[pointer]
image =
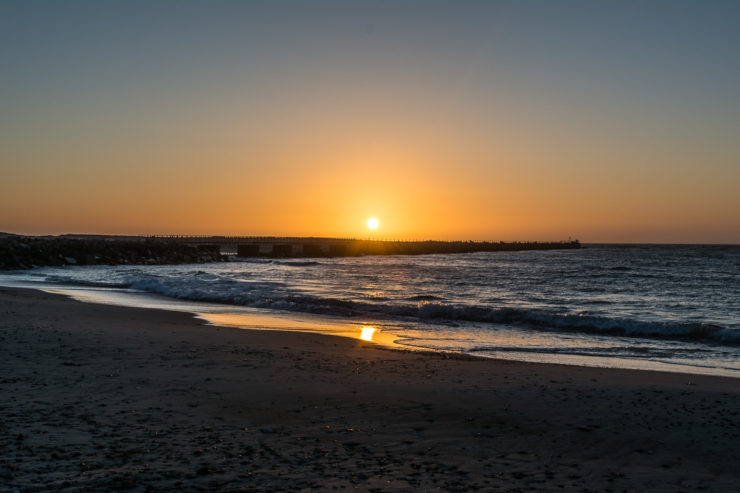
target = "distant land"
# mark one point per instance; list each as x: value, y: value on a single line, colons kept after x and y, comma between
x: 25, y: 252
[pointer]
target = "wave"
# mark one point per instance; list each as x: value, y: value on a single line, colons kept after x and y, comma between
x: 260, y: 295
x: 85, y: 283
x: 274, y: 295
x: 287, y: 263
x: 297, y: 263
x: 423, y: 297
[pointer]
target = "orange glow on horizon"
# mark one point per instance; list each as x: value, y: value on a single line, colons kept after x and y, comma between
x: 434, y: 184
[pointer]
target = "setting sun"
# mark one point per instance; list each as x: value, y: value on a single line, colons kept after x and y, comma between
x: 372, y: 223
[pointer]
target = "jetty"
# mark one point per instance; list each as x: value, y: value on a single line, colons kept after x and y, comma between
x: 270, y: 246
x: 25, y: 252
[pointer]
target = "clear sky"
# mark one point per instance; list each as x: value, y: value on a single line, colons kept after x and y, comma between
x: 497, y: 120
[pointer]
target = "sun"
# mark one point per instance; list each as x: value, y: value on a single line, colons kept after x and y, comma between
x: 373, y: 223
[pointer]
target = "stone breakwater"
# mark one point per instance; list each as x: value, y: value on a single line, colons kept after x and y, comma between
x: 19, y: 252
x: 25, y: 252
x: 430, y: 247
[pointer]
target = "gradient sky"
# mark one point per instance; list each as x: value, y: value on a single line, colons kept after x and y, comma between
x: 496, y: 120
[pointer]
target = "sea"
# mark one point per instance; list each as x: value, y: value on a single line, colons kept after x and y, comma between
x: 652, y: 307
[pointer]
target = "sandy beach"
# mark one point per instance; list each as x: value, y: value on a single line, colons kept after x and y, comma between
x: 97, y: 397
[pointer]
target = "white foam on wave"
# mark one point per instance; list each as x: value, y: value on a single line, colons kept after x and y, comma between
x: 205, y: 286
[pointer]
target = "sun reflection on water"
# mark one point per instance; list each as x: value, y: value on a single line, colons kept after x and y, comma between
x: 367, y: 333
x: 267, y: 321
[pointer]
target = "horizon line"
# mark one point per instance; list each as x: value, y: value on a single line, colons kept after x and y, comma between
x: 626, y: 243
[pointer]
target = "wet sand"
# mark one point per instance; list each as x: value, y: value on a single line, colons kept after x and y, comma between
x: 97, y: 397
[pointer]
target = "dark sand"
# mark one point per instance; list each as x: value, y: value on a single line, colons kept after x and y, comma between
x: 96, y: 397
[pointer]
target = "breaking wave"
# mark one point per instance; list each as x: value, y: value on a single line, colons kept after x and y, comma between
x: 202, y: 286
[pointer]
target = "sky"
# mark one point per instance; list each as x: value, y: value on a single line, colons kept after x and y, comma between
x: 607, y: 121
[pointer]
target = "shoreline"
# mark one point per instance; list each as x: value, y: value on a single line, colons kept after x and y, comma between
x: 101, y: 396
x: 384, y: 332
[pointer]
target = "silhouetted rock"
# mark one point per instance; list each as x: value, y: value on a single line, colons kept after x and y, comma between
x: 19, y: 252
x: 23, y: 252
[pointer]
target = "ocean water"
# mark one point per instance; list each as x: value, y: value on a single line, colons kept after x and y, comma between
x: 667, y: 307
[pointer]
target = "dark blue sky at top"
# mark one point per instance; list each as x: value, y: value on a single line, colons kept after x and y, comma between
x: 636, y: 47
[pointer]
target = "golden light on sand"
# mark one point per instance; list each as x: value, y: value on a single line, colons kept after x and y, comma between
x: 373, y: 223
x: 367, y: 333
